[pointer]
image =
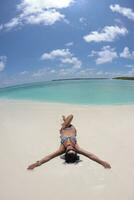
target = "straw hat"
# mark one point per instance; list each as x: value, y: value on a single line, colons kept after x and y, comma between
x: 67, y: 120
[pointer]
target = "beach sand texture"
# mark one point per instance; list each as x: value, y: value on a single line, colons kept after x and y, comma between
x: 30, y: 130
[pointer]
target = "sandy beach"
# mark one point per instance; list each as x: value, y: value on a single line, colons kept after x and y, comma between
x: 30, y: 130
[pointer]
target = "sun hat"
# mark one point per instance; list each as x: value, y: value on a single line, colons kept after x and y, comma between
x: 67, y: 120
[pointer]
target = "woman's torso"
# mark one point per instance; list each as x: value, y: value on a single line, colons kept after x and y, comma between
x: 68, y: 136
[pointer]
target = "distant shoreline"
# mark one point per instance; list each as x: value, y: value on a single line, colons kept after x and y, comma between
x: 42, y: 82
x: 71, y: 79
x: 124, y: 78
x: 68, y: 79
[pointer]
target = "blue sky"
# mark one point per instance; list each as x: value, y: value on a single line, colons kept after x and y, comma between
x: 47, y: 39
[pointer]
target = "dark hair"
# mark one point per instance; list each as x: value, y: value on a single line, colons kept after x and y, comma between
x: 71, y: 157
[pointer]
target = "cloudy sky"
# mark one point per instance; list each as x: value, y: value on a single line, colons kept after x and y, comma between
x: 48, y: 39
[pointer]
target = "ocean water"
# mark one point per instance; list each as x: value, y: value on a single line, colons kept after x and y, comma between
x: 86, y: 92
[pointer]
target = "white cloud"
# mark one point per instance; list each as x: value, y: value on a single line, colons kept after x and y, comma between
x: 108, y: 34
x: 127, y: 54
x: 41, y: 73
x: 31, y: 6
x: 53, y: 71
x: 23, y: 72
x: 83, y: 21
x: 117, y: 20
x: 99, y: 73
x: 64, y: 56
x: 129, y: 66
x: 44, y: 12
x: 112, y: 74
x: 12, y: 23
x: 37, y: 74
x: 67, y: 72
x: 127, y: 12
x: 46, y: 18
x: 131, y: 72
x: 86, y: 72
x: 72, y: 60
x: 69, y: 44
x: 107, y: 54
x: 107, y: 74
x: 56, y: 54
x: 3, y: 60
x: 63, y: 72
x: 1, y: 27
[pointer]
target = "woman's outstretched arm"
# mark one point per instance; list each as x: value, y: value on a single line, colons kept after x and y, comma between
x: 92, y: 157
x: 60, y: 151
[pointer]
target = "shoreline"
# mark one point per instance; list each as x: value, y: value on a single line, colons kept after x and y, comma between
x: 27, y: 101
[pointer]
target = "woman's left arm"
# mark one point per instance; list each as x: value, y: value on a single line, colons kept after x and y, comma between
x: 60, y: 151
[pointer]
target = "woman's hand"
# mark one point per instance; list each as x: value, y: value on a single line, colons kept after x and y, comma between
x: 106, y: 165
x: 31, y: 167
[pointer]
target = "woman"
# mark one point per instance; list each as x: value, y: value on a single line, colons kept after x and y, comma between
x: 69, y: 146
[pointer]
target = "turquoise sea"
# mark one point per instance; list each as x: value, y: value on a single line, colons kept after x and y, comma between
x: 86, y: 92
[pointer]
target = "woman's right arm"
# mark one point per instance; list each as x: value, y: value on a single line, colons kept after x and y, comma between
x: 92, y: 157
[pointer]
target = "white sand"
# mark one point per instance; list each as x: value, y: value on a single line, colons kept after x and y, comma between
x: 29, y: 130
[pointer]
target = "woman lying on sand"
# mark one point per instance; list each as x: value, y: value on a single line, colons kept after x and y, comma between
x: 69, y: 146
